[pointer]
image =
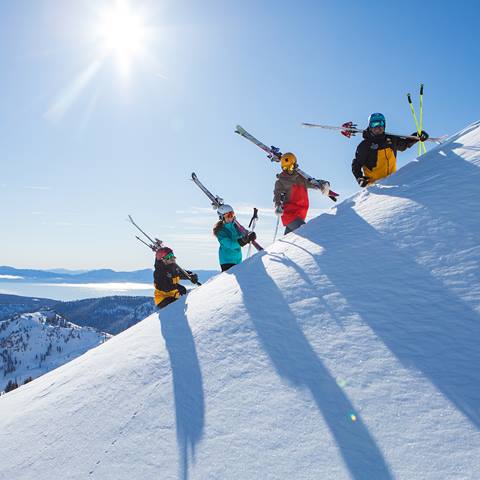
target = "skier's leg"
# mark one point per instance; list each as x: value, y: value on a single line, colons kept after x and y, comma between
x: 226, y: 266
x: 298, y: 222
x: 165, y: 302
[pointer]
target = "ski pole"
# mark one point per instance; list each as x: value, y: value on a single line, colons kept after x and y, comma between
x: 253, y: 222
x: 421, y: 118
x: 276, y: 229
x: 282, y: 198
x: 417, y: 124
x: 409, y: 98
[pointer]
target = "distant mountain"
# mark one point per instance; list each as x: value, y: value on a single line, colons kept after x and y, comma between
x: 32, y: 344
x: 111, y: 314
x: 91, y: 276
x: 108, y: 314
x: 16, y: 304
x: 100, y: 276
x: 40, y: 334
x: 62, y: 271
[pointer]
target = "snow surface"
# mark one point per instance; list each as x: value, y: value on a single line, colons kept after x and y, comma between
x: 348, y: 350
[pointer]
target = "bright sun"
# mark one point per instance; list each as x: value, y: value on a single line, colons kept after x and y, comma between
x: 122, y: 34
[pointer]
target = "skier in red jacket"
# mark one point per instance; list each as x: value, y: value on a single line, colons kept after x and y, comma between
x: 290, y: 194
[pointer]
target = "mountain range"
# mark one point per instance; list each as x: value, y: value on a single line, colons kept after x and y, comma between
x: 91, y: 276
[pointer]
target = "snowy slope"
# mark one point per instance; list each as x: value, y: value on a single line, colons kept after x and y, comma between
x: 348, y: 350
x: 32, y: 344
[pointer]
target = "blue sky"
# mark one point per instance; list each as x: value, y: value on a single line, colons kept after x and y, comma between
x: 82, y: 146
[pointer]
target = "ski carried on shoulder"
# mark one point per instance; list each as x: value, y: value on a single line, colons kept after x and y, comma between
x: 274, y: 154
x: 154, y: 245
x: 350, y: 129
x: 217, y: 202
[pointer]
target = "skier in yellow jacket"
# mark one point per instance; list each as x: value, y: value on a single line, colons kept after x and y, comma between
x: 376, y: 155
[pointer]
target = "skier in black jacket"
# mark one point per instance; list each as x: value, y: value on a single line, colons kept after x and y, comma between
x: 376, y: 155
x: 167, y: 276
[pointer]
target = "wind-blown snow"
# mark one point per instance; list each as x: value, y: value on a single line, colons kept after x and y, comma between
x: 348, y: 350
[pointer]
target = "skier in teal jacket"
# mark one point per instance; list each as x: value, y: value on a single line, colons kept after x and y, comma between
x: 230, y: 238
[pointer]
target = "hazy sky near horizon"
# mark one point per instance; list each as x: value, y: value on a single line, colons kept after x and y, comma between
x: 108, y: 107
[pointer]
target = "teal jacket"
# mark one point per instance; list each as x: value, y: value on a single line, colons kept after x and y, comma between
x: 230, y: 250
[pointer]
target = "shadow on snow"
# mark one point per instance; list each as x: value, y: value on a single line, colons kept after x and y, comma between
x: 187, y: 382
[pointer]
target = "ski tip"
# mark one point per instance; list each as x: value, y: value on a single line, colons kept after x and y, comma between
x: 194, y: 175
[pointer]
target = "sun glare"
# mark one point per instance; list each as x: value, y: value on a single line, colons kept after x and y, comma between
x: 122, y: 34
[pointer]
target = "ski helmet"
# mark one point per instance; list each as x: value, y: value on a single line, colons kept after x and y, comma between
x: 288, y: 161
x: 163, y: 252
x: 376, y: 120
x: 223, y: 210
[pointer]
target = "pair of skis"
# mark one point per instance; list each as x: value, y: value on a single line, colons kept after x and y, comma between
x: 155, y: 244
x: 217, y: 202
x: 274, y: 155
x: 350, y: 129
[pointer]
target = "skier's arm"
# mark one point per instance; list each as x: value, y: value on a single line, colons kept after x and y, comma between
x: 317, y: 184
x: 187, y: 275
x: 359, y: 161
x: 181, y: 274
x: 279, y: 193
x: 403, y: 143
x: 227, y: 241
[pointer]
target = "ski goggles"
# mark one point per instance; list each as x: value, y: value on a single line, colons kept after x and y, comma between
x: 169, y: 256
x: 377, y: 123
x: 229, y: 215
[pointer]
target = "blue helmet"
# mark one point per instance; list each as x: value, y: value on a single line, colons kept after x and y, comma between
x: 376, y: 120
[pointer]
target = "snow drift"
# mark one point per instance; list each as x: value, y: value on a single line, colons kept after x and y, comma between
x: 349, y: 349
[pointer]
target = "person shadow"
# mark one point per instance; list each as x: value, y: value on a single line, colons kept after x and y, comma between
x: 415, y: 315
x: 187, y: 382
x: 295, y: 360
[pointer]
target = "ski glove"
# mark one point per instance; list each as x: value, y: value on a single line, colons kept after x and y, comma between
x: 247, y: 238
x: 181, y: 289
x: 363, y: 181
x: 193, y: 277
x: 242, y: 241
x: 423, y: 135
x: 251, y: 237
x: 324, y: 186
x: 278, y: 209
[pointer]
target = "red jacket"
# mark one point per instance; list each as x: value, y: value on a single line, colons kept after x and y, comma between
x: 295, y: 200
